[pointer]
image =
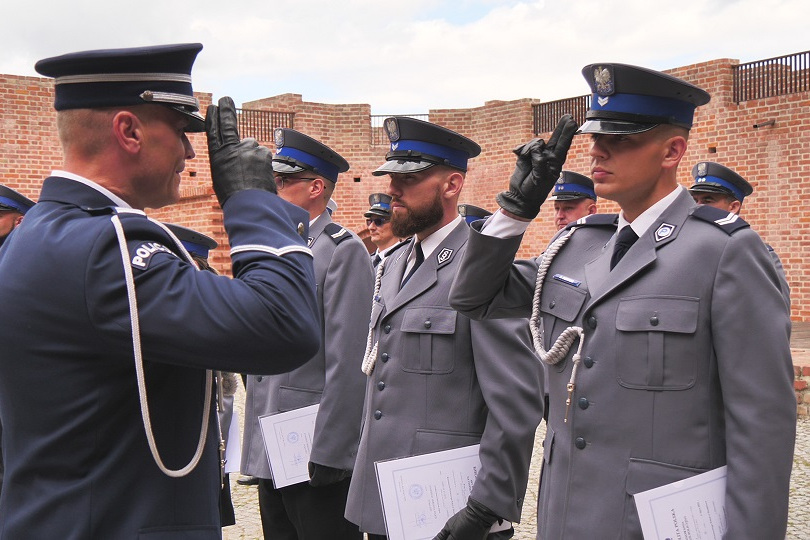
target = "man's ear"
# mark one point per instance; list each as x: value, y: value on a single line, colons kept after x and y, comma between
x: 674, y: 150
x: 453, y: 184
x: 128, y: 131
x: 735, y: 206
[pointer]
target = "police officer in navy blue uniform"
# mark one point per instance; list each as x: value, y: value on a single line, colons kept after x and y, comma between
x: 307, y: 174
x: 718, y: 186
x: 116, y: 329
x: 13, y: 206
x: 664, y: 327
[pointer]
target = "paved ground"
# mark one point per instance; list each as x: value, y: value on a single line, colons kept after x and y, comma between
x: 248, y: 525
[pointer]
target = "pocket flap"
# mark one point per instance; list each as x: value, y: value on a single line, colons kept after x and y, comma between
x: 643, y: 474
x: 658, y: 314
x: 295, y: 398
x: 429, y: 320
x: 562, y: 300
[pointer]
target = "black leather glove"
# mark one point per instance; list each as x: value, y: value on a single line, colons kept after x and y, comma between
x: 321, y: 475
x: 538, y: 167
x: 470, y: 523
x: 235, y: 165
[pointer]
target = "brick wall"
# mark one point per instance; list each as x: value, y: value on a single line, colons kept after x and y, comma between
x: 773, y: 159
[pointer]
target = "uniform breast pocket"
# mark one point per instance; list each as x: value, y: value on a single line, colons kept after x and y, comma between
x: 428, y: 340
x: 560, y: 305
x: 653, y: 342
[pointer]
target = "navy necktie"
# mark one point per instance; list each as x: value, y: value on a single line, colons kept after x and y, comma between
x: 625, y: 239
x: 420, y: 257
x: 376, y: 260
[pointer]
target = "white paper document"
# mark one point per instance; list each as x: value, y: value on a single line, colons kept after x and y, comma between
x: 690, y: 509
x: 419, y: 493
x: 288, y: 441
x: 233, y: 450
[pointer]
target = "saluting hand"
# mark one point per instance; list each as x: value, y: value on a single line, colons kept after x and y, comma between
x: 538, y: 167
x: 235, y: 165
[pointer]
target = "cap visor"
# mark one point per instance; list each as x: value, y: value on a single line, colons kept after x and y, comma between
x: 373, y: 213
x: 710, y: 188
x: 612, y: 127
x: 402, y: 167
x: 196, y: 122
x: 568, y: 197
x: 282, y: 167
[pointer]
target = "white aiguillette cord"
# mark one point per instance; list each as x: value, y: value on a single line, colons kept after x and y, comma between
x: 564, y: 341
x: 136, y: 346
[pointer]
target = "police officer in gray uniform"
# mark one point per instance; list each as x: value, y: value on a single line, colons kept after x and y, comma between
x: 436, y: 380
x: 307, y: 173
x: 667, y: 342
x: 719, y: 186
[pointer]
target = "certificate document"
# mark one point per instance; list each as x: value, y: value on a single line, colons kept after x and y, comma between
x: 288, y: 441
x: 420, y: 493
x: 693, y: 508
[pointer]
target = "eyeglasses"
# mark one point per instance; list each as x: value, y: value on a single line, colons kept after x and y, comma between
x: 379, y: 222
x: 281, y: 180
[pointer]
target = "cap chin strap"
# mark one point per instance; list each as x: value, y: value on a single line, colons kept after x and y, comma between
x: 136, y: 346
x: 563, y: 343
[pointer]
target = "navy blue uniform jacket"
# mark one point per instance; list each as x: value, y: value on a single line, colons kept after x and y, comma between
x: 77, y: 460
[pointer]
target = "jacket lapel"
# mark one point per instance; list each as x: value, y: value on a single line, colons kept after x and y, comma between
x: 602, y: 281
x: 317, y: 227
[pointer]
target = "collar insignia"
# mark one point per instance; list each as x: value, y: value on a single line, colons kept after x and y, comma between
x: 664, y: 231
x: 444, y: 255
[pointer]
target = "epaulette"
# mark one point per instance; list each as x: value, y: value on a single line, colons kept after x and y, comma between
x: 398, y: 245
x: 337, y: 233
x: 725, y: 220
x: 595, y: 220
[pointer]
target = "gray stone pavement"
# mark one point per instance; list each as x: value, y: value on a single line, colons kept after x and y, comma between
x: 248, y: 523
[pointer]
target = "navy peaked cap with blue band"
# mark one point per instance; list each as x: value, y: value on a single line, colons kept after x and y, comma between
x: 631, y: 99
x: 572, y: 186
x: 380, y: 205
x: 472, y: 213
x: 195, y: 242
x: 159, y: 75
x: 711, y: 177
x: 417, y: 145
x: 296, y: 152
x: 12, y: 200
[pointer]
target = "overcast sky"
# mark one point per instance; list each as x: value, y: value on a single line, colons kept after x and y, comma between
x: 406, y: 57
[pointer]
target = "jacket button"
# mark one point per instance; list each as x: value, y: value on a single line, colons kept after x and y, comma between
x: 377, y: 415
x: 654, y: 321
x: 552, y: 304
x: 259, y: 378
x: 381, y: 385
x: 583, y: 403
x: 384, y: 357
x: 591, y: 322
x: 579, y: 442
x: 588, y: 361
x: 387, y: 329
x: 428, y: 324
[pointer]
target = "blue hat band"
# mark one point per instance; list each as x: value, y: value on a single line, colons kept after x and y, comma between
x: 321, y: 166
x: 13, y: 204
x: 195, y: 249
x: 739, y: 195
x: 574, y: 188
x: 455, y: 158
x: 681, y: 112
x: 382, y: 206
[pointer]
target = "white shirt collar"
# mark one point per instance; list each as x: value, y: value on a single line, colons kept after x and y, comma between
x: 433, y: 241
x: 89, y: 183
x: 651, y: 214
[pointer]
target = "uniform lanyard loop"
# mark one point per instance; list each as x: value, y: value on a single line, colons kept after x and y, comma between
x: 136, y: 346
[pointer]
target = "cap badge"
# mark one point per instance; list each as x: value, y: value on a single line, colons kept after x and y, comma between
x: 444, y: 255
x: 664, y: 231
x: 278, y: 137
x: 392, y: 129
x: 603, y: 77
x: 702, y: 168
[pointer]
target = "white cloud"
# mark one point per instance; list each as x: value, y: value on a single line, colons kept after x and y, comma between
x: 409, y: 57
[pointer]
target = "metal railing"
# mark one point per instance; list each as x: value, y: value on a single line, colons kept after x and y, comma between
x: 260, y: 124
x: 777, y: 76
x: 378, y: 137
x: 546, y: 115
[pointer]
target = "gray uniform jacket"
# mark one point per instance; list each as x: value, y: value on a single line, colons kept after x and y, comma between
x: 685, y: 367
x: 332, y: 377
x: 442, y: 381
